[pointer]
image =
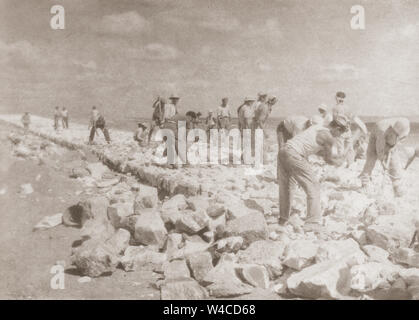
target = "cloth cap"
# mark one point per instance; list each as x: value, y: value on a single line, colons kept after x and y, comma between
x: 174, y: 96
x: 341, y: 94
x: 249, y: 99
x: 402, y: 128
x: 322, y: 107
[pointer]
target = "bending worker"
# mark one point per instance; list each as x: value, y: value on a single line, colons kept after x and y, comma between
x: 293, y: 166
x: 384, y: 146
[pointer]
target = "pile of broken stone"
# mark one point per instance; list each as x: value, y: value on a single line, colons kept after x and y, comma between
x: 224, y: 241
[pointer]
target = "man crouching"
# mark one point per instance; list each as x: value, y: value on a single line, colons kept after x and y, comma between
x: 293, y: 166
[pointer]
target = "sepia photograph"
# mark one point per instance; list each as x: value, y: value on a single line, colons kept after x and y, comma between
x: 212, y: 150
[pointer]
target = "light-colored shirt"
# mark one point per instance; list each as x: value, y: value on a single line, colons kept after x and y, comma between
x: 342, y: 110
x: 248, y: 111
x: 64, y: 113
x: 223, y: 111
x: 262, y: 112
x: 379, y: 130
x: 169, y: 111
x: 94, y: 115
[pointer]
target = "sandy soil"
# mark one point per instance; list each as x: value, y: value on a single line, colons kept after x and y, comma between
x: 26, y: 257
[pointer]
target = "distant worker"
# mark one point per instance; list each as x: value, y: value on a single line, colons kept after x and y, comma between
x: 140, y: 134
x: 383, y: 145
x: 64, y: 115
x: 190, y: 120
x: 26, y: 121
x: 211, y: 121
x: 223, y: 115
x: 97, y: 121
x: 263, y: 111
x: 294, y: 167
x: 170, y: 122
x: 246, y: 113
x: 57, y: 118
x: 157, y: 117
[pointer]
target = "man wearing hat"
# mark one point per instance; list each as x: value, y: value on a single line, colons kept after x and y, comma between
x: 263, y: 111
x: 223, y: 114
x: 246, y: 113
x: 293, y: 166
x: 384, y: 145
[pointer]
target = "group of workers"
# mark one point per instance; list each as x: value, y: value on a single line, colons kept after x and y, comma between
x: 60, y: 116
x: 333, y: 137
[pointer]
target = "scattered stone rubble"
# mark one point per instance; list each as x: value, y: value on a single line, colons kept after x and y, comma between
x: 224, y: 241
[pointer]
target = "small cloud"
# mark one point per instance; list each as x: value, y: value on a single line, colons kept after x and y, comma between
x: 270, y: 29
x: 123, y: 23
x: 159, y: 51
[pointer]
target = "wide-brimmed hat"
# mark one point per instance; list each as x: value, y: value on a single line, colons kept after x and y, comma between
x: 174, y: 96
x: 262, y: 94
x: 322, y: 107
x: 142, y: 125
x: 341, y: 121
x: 402, y: 127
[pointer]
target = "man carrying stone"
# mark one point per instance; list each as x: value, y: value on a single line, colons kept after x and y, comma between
x: 384, y: 145
x: 294, y: 167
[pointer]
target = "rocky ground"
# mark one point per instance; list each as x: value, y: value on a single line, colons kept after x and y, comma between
x: 198, y: 232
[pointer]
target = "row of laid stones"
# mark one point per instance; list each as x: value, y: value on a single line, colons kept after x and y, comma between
x: 116, y: 159
x: 206, y: 247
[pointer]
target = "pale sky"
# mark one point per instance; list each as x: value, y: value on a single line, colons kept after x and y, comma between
x: 120, y: 54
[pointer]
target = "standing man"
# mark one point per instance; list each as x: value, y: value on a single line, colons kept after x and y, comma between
x: 384, y: 146
x: 170, y: 118
x: 263, y: 111
x: 293, y: 166
x: 64, y: 115
x: 157, y: 117
x: 223, y: 115
x: 350, y: 137
x: 26, y: 121
x: 97, y: 121
x: 57, y: 118
x: 246, y: 114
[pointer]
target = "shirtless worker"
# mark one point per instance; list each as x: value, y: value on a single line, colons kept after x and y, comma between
x: 384, y: 145
x: 293, y: 166
x: 263, y: 111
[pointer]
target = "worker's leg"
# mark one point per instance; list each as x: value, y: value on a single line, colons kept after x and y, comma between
x: 306, y: 178
x: 395, y: 171
x: 106, y: 134
x: 285, y: 188
x: 92, y: 134
x: 370, y: 162
x: 280, y: 134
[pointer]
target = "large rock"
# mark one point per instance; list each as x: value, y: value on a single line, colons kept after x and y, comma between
x: 192, y: 222
x: 189, y: 248
x: 176, y: 269
x: 198, y: 203
x: 300, y: 254
x: 183, y: 289
x: 329, y: 279
x: 266, y: 253
x: 177, y: 202
x: 251, y: 227
x: 389, y: 232
x: 230, y: 244
x: 94, y: 258
x: 222, y: 281
x: 372, y: 275
x: 215, y: 210
x: 139, y: 257
x: 255, y: 275
x: 150, y: 229
x: 99, y: 206
x: 376, y: 254
x: 340, y: 249
x: 173, y: 244
x: 407, y: 256
x: 119, y: 241
x: 97, y: 169
x: 118, y: 211
x: 97, y: 229
x: 147, y: 197
x: 200, y: 264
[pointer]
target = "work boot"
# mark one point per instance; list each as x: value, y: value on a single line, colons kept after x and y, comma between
x: 282, y: 221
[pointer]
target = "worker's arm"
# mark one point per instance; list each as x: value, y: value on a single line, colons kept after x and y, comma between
x: 334, y: 150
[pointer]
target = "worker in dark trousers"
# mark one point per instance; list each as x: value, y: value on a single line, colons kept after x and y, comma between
x: 98, y: 122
